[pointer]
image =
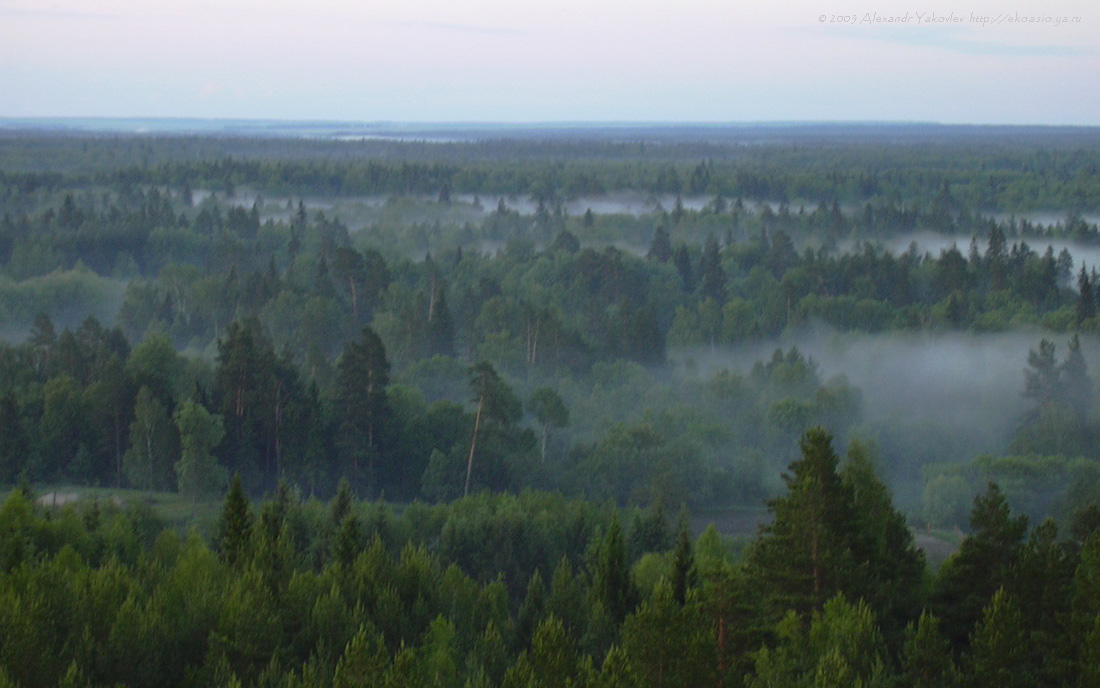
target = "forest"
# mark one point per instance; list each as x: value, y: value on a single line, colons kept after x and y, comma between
x: 711, y: 407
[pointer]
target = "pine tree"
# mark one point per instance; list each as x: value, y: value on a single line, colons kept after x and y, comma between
x: 363, y: 409
x: 496, y: 403
x: 804, y: 556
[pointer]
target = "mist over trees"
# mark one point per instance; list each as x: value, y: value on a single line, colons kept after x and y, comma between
x: 453, y: 395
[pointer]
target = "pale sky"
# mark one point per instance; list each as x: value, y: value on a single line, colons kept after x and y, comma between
x: 553, y: 61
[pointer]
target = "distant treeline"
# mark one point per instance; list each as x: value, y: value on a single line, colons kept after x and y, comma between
x: 1008, y: 175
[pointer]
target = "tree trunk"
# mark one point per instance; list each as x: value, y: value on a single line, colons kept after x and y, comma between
x: 473, y: 444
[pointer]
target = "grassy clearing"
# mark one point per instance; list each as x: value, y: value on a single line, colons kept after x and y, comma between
x: 175, y: 510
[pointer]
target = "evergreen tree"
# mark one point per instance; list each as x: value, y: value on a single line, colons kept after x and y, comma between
x: 342, y: 503
x: 982, y: 565
x: 1042, y: 584
x: 1077, y: 389
x: 440, y: 331
x: 532, y: 610
x: 669, y: 644
x: 805, y: 555
x: 14, y: 443
x: 364, y: 662
x: 682, y: 259
x: 1086, y: 298
x: 566, y: 599
x: 496, y: 403
x: 841, y: 647
x: 892, y: 572
x: 612, y: 585
x: 363, y: 409
x: 926, y: 660
x: 999, y: 650
x: 235, y: 525
x: 714, y: 276
x: 684, y: 575
x: 660, y: 249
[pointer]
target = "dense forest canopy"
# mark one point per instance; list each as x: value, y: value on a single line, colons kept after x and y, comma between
x: 525, y: 350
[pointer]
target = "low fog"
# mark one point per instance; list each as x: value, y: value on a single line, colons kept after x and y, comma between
x: 926, y: 397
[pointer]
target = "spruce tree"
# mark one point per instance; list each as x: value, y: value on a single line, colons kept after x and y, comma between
x: 613, y: 586
x: 1086, y: 298
x: 983, y: 564
x: 684, y: 575
x: 235, y: 525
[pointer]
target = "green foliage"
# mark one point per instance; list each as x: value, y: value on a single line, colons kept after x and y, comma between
x: 612, y: 587
x: 197, y: 472
x: 149, y: 461
x: 805, y: 555
x: 235, y: 525
x: 999, y: 649
x: 926, y: 660
x: 842, y: 647
x: 982, y: 565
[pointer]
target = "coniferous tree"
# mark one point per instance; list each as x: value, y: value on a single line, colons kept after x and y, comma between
x: 235, y: 525
x: 342, y: 503
x: 999, y: 649
x: 532, y: 611
x: 660, y: 249
x: 440, y: 331
x: 1077, y: 390
x: 496, y: 403
x: 566, y: 598
x: 684, y: 574
x: 364, y: 662
x: 926, y: 660
x: 983, y: 564
x: 804, y: 556
x: 14, y: 443
x: 363, y: 408
x: 714, y: 276
x: 1086, y: 298
x: 612, y: 585
x: 892, y: 572
x: 1042, y: 584
x: 682, y: 259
